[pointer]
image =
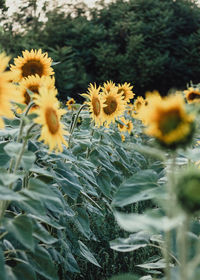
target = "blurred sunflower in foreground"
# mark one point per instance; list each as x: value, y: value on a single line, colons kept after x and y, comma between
x: 32, y: 63
x: 49, y: 115
x: 167, y: 121
x: 8, y: 92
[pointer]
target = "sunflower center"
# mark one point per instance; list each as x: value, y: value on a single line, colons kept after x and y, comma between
x: 52, y: 120
x: 34, y: 89
x: 96, y: 106
x: 111, y: 105
x: 32, y: 67
x: 169, y: 121
x: 193, y: 96
x: 122, y: 91
x: 138, y: 105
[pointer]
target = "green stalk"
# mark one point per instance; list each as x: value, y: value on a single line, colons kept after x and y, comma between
x: 184, y: 248
x: 75, y: 122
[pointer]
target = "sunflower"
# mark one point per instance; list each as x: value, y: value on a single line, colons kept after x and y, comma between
x: 49, y: 115
x: 108, y: 86
x: 114, y: 106
x: 122, y: 124
x: 70, y: 103
x: 95, y: 103
x: 8, y: 91
x: 192, y: 95
x: 32, y: 63
x: 129, y: 127
x: 168, y: 121
x: 34, y: 83
x: 126, y: 90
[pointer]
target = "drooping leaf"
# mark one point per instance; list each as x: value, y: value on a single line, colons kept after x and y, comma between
x: 85, y: 252
x: 21, y: 228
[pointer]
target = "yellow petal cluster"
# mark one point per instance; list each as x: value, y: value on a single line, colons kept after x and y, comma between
x: 167, y: 120
x: 31, y: 63
x: 49, y: 115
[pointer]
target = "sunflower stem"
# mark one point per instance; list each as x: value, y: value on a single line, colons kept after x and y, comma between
x: 75, y: 122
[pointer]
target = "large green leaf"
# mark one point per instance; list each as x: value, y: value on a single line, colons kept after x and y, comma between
x: 42, y: 234
x: 7, y: 178
x: 43, y: 264
x: 85, y: 252
x: 140, y: 186
x: 7, y: 194
x: 132, y: 243
x: 12, y: 149
x: 104, y: 183
x: 28, y: 160
x: 82, y: 222
x: 21, y: 228
x: 68, y: 181
x: 24, y: 271
x: 151, y: 221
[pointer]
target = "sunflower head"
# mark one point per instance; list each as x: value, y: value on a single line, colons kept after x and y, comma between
x: 32, y: 63
x: 129, y: 126
x: 49, y: 115
x: 34, y: 83
x: 126, y: 91
x: 192, y: 95
x: 114, y: 106
x: 70, y: 103
x: 94, y: 103
x: 168, y: 121
x: 108, y: 86
x: 122, y: 126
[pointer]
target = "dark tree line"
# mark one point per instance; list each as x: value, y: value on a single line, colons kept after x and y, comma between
x: 153, y: 44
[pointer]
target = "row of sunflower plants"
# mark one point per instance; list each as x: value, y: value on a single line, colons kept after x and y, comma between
x: 172, y: 224
x: 57, y: 168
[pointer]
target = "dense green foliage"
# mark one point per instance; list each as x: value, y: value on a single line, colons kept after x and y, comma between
x: 151, y: 43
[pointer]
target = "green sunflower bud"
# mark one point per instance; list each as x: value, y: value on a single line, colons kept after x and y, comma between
x: 188, y: 191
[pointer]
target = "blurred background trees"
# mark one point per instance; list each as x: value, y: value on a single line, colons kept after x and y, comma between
x: 153, y: 44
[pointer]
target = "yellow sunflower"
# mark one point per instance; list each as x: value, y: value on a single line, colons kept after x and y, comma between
x: 122, y: 125
x: 168, y: 121
x: 8, y: 91
x: 192, y: 95
x: 95, y: 103
x: 126, y: 90
x: 70, y: 103
x: 129, y: 127
x: 34, y: 83
x: 114, y: 106
x: 32, y: 63
x: 49, y: 115
x: 139, y: 102
x: 108, y: 86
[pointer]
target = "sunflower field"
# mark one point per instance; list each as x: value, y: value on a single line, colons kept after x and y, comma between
x: 106, y: 189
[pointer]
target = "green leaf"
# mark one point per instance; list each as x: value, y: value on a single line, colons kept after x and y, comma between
x: 7, y: 178
x: 24, y: 272
x: 40, y: 191
x: 42, y: 234
x: 104, y: 183
x: 125, y: 277
x: 132, y: 243
x: 3, y: 275
x: 68, y: 181
x: 12, y: 149
x: 7, y: 194
x: 28, y: 160
x: 42, y: 263
x: 160, y: 264
x: 21, y: 229
x: 150, y: 221
x: 139, y: 187
x: 87, y: 254
x: 3, y: 156
x: 82, y: 222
